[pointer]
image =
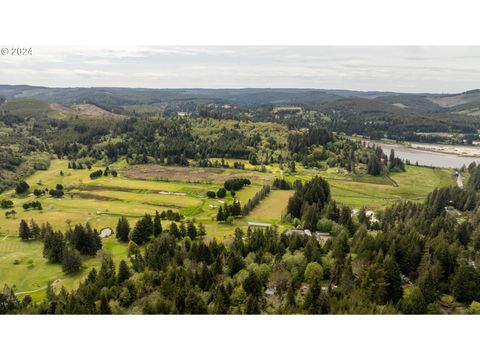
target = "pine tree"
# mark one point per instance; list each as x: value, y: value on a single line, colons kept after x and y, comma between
x: 143, y: 230
x: 312, y: 305
x: 53, y: 245
x: 105, y: 308
x: 252, y: 306
x: 71, y: 261
x: 347, y: 280
x: 157, y: 225
x: 220, y: 215
x: 24, y: 231
x: 392, y: 277
x: 173, y: 230
x: 183, y: 229
x: 35, y: 230
x: 201, y: 230
x: 123, y: 229
x: 106, y: 275
x: 123, y: 272
x: 191, y: 230
x: 426, y: 282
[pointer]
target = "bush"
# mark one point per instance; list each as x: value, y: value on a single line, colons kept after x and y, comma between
x: 211, y: 194
x: 236, y: 184
x: 6, y: 204
x: 22, y: 187
x: 56, y: 193
x: 96, y: 174
x: 221, y: 193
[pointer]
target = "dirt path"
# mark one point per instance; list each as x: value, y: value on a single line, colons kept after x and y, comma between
x: 56, y: 282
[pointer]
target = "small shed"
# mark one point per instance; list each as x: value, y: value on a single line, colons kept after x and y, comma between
x: 261, y: 225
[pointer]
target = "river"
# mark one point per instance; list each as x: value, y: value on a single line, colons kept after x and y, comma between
x: 425, y: 157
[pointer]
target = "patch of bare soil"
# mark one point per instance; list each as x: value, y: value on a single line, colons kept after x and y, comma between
x: 159, y: 172
x: 153, y: 171
x: 89, y: 110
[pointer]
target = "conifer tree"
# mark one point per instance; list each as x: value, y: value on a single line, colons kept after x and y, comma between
x: 392, y: 277
x: 157, y: 225
x: 123, y: 229
x: 24, y: 231
x: 123, y: 272
x: 220, y: 214
x: 71, y: 261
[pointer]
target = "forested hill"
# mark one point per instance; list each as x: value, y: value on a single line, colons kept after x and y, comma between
x: 372, y: 113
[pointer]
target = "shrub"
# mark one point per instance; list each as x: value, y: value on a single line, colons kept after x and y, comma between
x: 221, y: 193
x: 22, y: 187
x: 6, y: 204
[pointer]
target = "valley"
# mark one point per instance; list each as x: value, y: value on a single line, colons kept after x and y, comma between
x: 237, y: 197
x: 149, y: 188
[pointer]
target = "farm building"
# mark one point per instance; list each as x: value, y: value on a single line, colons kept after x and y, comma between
x: 270, y: 291
x: 255, y: 224
x: 321, y: 237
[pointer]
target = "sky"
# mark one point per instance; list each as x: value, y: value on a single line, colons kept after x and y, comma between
x: 441, y: 69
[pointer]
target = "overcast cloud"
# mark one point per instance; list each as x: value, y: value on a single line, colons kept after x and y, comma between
x: 404, y: 69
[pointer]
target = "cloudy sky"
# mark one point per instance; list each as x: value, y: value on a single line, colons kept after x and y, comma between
x: 405, y: 69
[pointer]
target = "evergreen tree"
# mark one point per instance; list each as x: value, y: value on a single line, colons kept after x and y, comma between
x: 24, y: 231
x: 252, y: 284
x: 123, y: 229
x: 220, y: 214
x: 106, y: 275
x: 392, y: 277
x: 35, y: 230
x: 252, y: 305
x: 22, y: 187
x: 312, y: 303
x: 374, y: 166
x: 123, y: 272
x: 143, y: 230
x: 173, y: 230
x: 466, y: 284
x: 414, y: 302
x: 53, y: 245
x: 157, y: 225
x: 191, y: 230
x: 71, y: 261
x: 105, y: 308
x: 427, y: 284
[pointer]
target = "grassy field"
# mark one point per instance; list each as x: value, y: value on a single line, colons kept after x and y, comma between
x: 101, y: 201
x: 271, y: 208
x: 376, y: 192
x: 22, y: 264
